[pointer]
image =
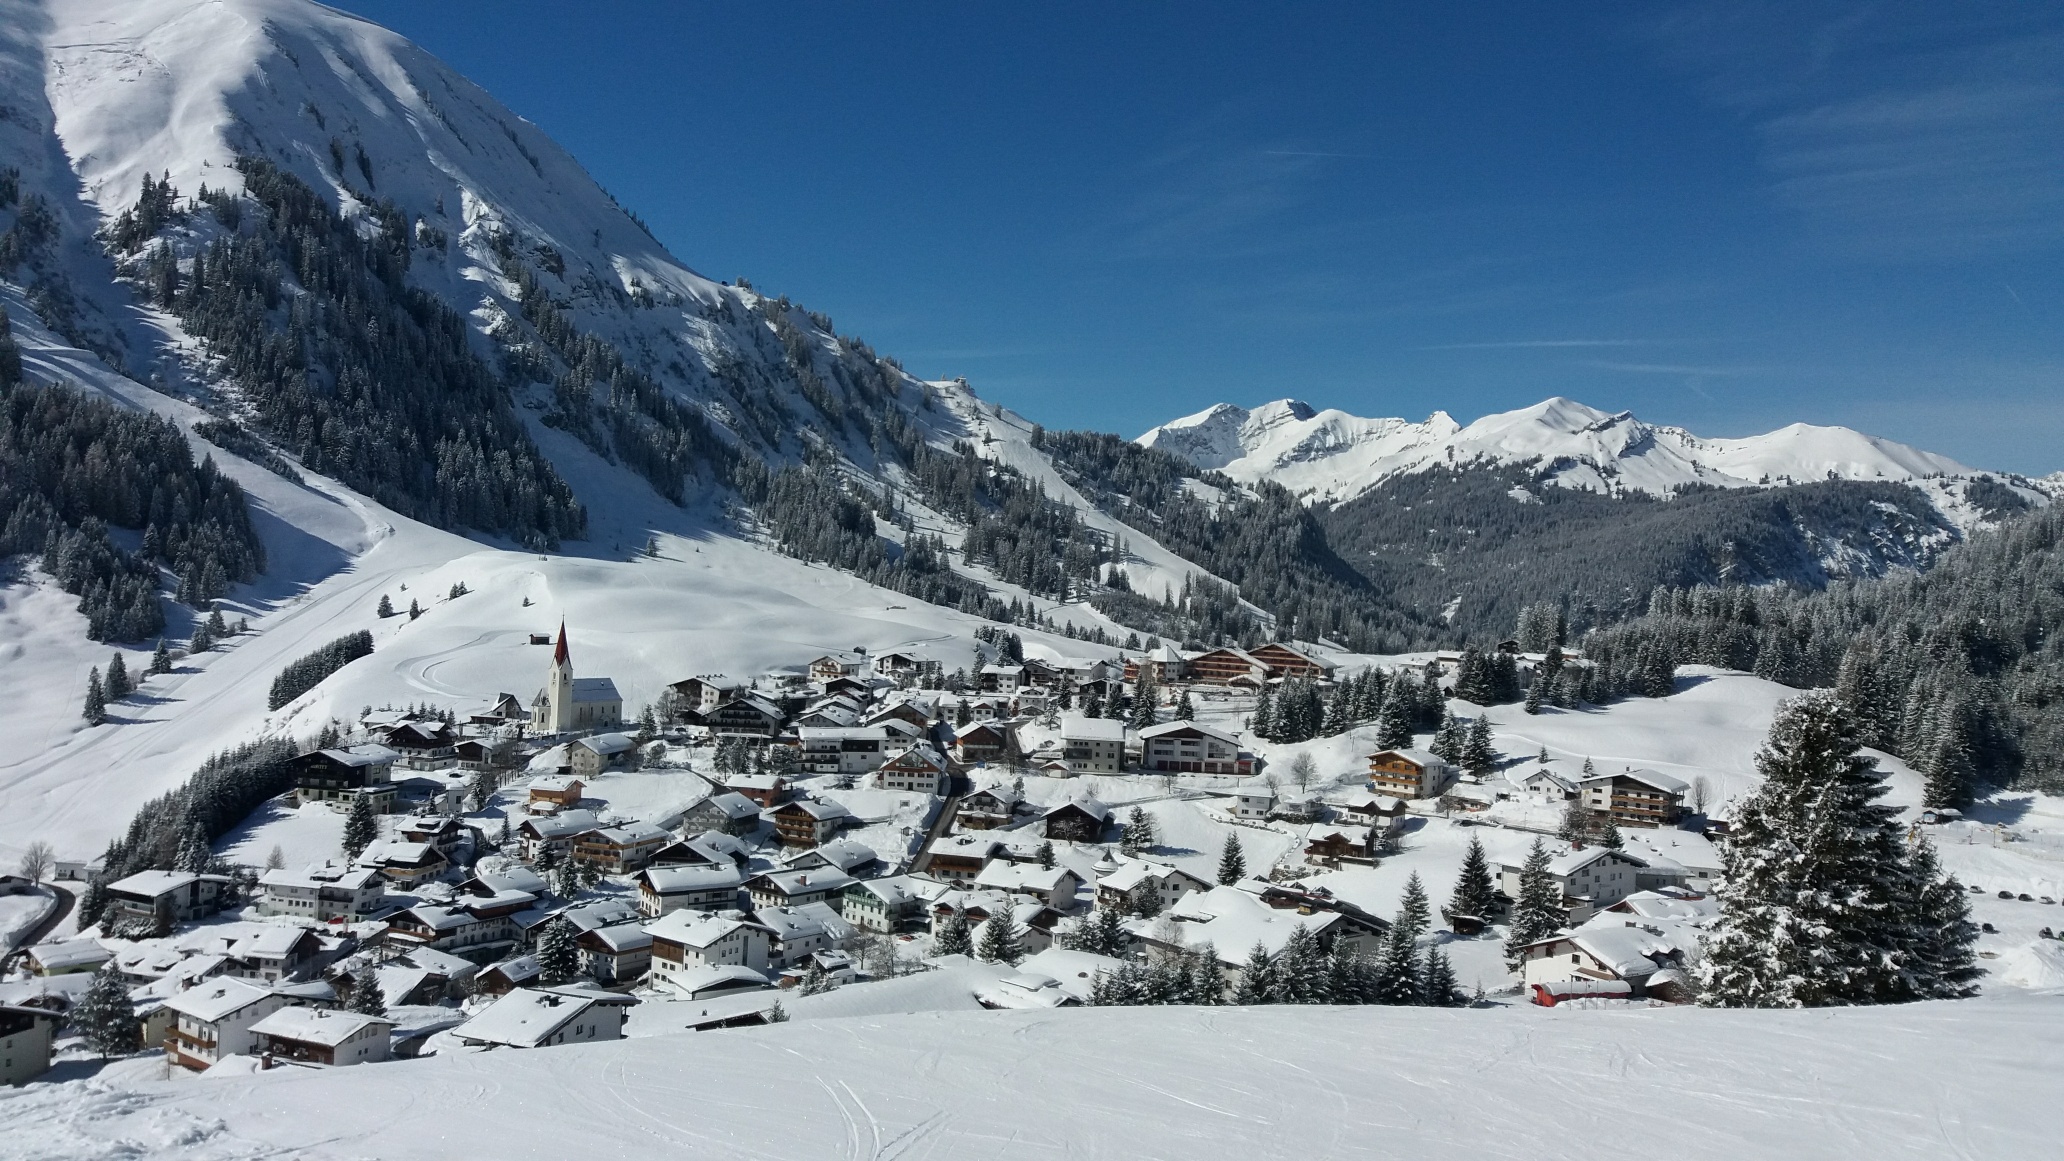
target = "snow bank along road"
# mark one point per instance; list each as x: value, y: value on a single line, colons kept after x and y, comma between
x: 1942, y: 1080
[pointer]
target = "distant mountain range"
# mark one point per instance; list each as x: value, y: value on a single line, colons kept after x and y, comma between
x: 1331, y: 456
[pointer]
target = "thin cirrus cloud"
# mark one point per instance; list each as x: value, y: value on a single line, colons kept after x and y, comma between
x: 1704, y: 370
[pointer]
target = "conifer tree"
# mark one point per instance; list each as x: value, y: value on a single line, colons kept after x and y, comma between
x: 1263, y: 723
x: 1232, y: 862
x: 1206, y: 984
x: 1045, y: 855
x: 386, y: 608
x: 1184, y: 710
x: 365, y: 995
x: 360, y: 827
x: 1413, y: 911
x: 1138, y: 834
x: 194, y: 853
x: 1394, y: 723
x: 954, y: 938
x: 117, y: 684
x: 1819, y: 898
x: 1475, y: 891
x: 92, y: 901
x: 161, y: 658
x: 1298, y: 973
x: 1942, y: 965
x: 96, y: 699
x: 106, y: 1017
x: 414, y: 610
x: 558, y: 956
x: 1479, y: 756
x: 1535, y: 690
x: 1437, y: 981
x: 1538, y: 913
x: 1257, y: 978
x: 1001, y: 940
x: 1575, y: 825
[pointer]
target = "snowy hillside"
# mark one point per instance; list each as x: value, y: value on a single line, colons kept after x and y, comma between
x: 1331, y: 455
x: 1922, y: 1081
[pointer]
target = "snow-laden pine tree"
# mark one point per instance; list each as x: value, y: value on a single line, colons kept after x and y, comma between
x: 1820, y: 899
x: 95, y: 711
x: 1257, y: 984
x: 194, y: 853
x: 118, y: 685
x: 1001, y: 941
x: 954, y: 938
x: 366, y: 998
x: 1394, y: 723
x: 1138, y: 834
x: 1232, y: 862
x: 1437, y: 981
x: 106, y: 1017
x: 1298, y: 972
x: 361, y: 827
x: 1476, y: 893
x: 558, y: 956
x: 1397, y: 967
x: 1479, y: 756
x: 1537, y: 913
x: 1943, y: 964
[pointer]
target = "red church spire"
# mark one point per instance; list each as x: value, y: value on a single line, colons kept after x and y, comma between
x: 559, y: 655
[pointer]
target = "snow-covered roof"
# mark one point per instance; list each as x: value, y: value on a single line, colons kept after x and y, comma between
x: 214, y: 999
x: 597, y: 913
x: 557, y: 783
x: 1327, y: 831
x: 790, y: 923
x: 152, y: 883
x: 594, y: 689
x: 1416, y: 756
x: 627, y: 834
x: 1133, y: 872
x: 620, y: 937
x: 606, y: 745
x: 893, y: 891
x: 801, y: 881
x: 732, y: 805
x: 844, y: 854
x: 817, y: 808
x: 1667, y: 783
x: 1084, y: 729
x: 694, y: 877
x: 1181, y: 725
x: 527, y: 1017
x: 1693, y: 851
x: 695, y: 982
x: 1095, y: 808
x: 693, y: 928
x: 1570, y: 862
x: 1007, y: 876
x: 325, y: 1026
x: 1233, y: 921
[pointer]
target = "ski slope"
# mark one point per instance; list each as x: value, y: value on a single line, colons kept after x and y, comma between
x: 1927, y: 1081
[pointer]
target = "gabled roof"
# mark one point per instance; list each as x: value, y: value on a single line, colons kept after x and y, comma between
x: 1416, y: 756
x: 694, y: 877
x: 1092, y: 729
x: 816, y: 808
x: 695, y: 929
x: 731, y: 805
x: 322, y: 1026
x: 607, y: 745
x: 1181, y: 725
x: 595, y: 689
x: 1085, y: 804
x: 801, y: 881
x: 217, y: 998
x: 527, y: 1017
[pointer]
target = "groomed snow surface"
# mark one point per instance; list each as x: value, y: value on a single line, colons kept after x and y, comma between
x: 1974, y: 1079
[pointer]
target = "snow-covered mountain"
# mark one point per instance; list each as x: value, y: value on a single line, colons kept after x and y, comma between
x: 1331, y: 455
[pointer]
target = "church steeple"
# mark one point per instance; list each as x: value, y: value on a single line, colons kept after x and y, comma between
x: 559, y: 654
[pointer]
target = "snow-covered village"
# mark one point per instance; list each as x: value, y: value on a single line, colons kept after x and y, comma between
x: 475, y: 686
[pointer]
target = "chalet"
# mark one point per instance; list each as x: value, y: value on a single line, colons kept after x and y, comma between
x: 1298, y: 807
x: 1005, y: 679
x: 544, y: 1017
x: 482, y: 753
x: 729, y: 812
x: 1054, y: 886
x: 26, y: 1039
x: 1636, y: 797
x: 324, y: 892
x: 885, y: 905
x: 1639, y: 954
x: 1331, y: 842
x: 1407, y: 773
x: 750, y: 716
x: 917, y: 769
x: 1184, y: 747
x: 702, y: 694
x: 983, y: 741
x: 619, y: 850
x: 553, y: 833
x: 591, y: 914
x: 494, y: 884
x: 704, y: 983
x: 1227, y: 667
x: 1163, y: 665
x: 843, y: 855
x: 1081, y: 820
x: 469, y: 922
x: 508, y: 975
x: 846, y: 749
x: 1093, y: 745
x: 505, y: 710
x: 441, y: 831
x: 829, y: 713
x: 405, y: 865
x: 989, y: 809
x: 168, y: 896
x: 1126, y: 886
x: 616, y: 954
x: 798, y: 932
x: 960, y: 858
x: 323, y: 1036
x: 1284, y: 661
x: 1036, y: 921
x: 793, y: 888
x: 1590, y: 878
x: 1254, y: 803
x: 272, y: 954
x: 558, y: 790
x: 763, y: 790
x: 215, y: 1020
x: 421, y: 744
x: 833, y: 966
x: 705, y: 887
x: 70, y: 957
x: 711, y: 848
x: 339, y: 776
x: 807, y: 822
x: 1235, y: 919
x: 836, y: 665
x: 1548, y: 788
x: 682, y: 940
x: 896, y: 663
x: 909, y: 713
x: 592, y: 755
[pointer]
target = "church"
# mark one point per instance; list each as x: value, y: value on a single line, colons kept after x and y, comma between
x: 569, y: 704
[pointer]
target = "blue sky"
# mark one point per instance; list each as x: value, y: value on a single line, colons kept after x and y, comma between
x: 1731, y: 217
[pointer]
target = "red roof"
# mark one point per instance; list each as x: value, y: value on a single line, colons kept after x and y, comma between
x: 559, y: 655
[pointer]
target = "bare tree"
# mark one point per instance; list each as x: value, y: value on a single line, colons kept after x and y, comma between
x: 1302, y: 770
x: 1701, y: 794
x: 275, y: 859
x: 36, y: 860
